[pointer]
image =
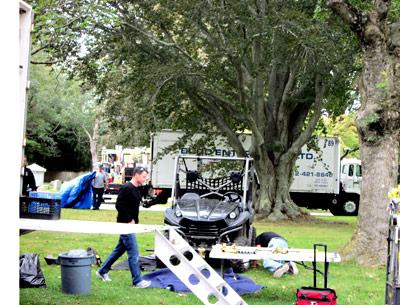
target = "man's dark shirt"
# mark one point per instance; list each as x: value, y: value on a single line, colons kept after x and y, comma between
x: 127, y: 205
x: 28, y: 181
x: 264, y: 238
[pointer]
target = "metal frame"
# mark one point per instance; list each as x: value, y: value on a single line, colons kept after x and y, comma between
x: 213, y: 190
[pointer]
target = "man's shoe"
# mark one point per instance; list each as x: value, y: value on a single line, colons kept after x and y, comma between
x: 293, y: 268
x: 143, y: 284
x: 105, y: 277
x: 281, y: 271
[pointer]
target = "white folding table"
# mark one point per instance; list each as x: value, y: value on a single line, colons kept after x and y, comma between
x: 85, y: 226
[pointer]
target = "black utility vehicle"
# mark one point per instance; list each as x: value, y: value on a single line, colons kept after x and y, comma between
x: 212, y: 203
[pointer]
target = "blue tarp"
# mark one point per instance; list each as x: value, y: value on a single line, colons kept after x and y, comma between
x: 164, y: 278
x: 77, y: 193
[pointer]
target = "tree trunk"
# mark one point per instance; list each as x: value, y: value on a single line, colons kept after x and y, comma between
x: 273, y: 198
x: 368, y: 245
x: 377, y: 124
x: 93, y: 142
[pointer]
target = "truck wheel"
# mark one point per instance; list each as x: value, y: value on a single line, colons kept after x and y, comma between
x: 347, y: 206
x: 350, y: 207
x: 240, y: 266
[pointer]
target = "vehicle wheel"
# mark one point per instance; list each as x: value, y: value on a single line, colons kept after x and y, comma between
x: 240, y: 266
x: 347, y: 206
x: 252, y: 236
x: 350, y: 206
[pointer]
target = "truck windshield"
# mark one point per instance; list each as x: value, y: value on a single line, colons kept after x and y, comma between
x: 358, y: 170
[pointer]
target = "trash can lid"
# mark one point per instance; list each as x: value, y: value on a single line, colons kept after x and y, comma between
x: 76, y: 253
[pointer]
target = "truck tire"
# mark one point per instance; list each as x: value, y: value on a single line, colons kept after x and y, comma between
x: 346, y: 206
x: 240, y: 266
x: 350, y: 206
x: 252, y: 236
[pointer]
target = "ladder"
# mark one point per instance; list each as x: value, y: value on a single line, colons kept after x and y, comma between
x: 193, y: 270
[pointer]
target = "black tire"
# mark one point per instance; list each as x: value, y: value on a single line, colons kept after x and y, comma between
x: 240, y: 266
x: 252, y: 236
x: 346, y: 206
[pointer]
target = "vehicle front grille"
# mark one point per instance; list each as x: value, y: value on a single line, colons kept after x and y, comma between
x: 201, y: 231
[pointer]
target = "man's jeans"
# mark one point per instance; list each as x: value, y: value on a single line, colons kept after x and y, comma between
x: 270, y: 264
x: 126, y: 242
x: 97, y: 197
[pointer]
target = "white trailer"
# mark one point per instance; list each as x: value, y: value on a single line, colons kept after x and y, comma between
x: 321, y: 180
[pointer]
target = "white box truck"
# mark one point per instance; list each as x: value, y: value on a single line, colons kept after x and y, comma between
x: 321, y: 179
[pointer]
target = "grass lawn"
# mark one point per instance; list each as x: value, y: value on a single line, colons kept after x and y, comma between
x: 354, y: 285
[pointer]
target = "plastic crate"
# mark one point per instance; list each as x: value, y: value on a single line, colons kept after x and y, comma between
x: 40, y: 206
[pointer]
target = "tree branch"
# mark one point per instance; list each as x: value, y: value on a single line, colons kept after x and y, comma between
x: 282, y: 119
x: 218, y: 43
x: 40, y: 49
x: 158, y: 89
x: 382, y: 8
x: 307, y: 132
x: 210, y: 112
x: 87, y: 133
x: 354, y: 17
x: 161, y: 42
x: 258, y: 83
x: 43, y: 62
x: 226, y: 106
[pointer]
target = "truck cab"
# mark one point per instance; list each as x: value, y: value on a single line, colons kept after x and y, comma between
x: 351, y: 175
x: 347, y: 202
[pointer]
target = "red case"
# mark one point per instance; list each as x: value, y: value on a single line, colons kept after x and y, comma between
x: 315, y: 296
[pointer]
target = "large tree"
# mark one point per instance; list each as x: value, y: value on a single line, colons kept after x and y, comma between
x: 267, y: 66
x: 378, y: 120
x: 59, y: 114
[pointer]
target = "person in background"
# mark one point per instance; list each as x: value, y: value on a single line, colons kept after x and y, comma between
x: 98, y: 184
x: 274, y: 240
x: 127, y: 205
x: 28, y: 179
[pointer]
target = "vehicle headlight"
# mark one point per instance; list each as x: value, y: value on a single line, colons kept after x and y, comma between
x: 178, y: 213
x: 232, y: 215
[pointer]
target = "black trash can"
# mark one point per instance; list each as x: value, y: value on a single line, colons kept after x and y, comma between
x: 76, y: 271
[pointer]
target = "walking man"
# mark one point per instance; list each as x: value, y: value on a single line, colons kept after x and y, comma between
x: 98, y: 187
x: 127, y: 205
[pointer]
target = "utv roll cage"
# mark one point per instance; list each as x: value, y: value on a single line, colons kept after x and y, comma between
x: 194, y: 183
